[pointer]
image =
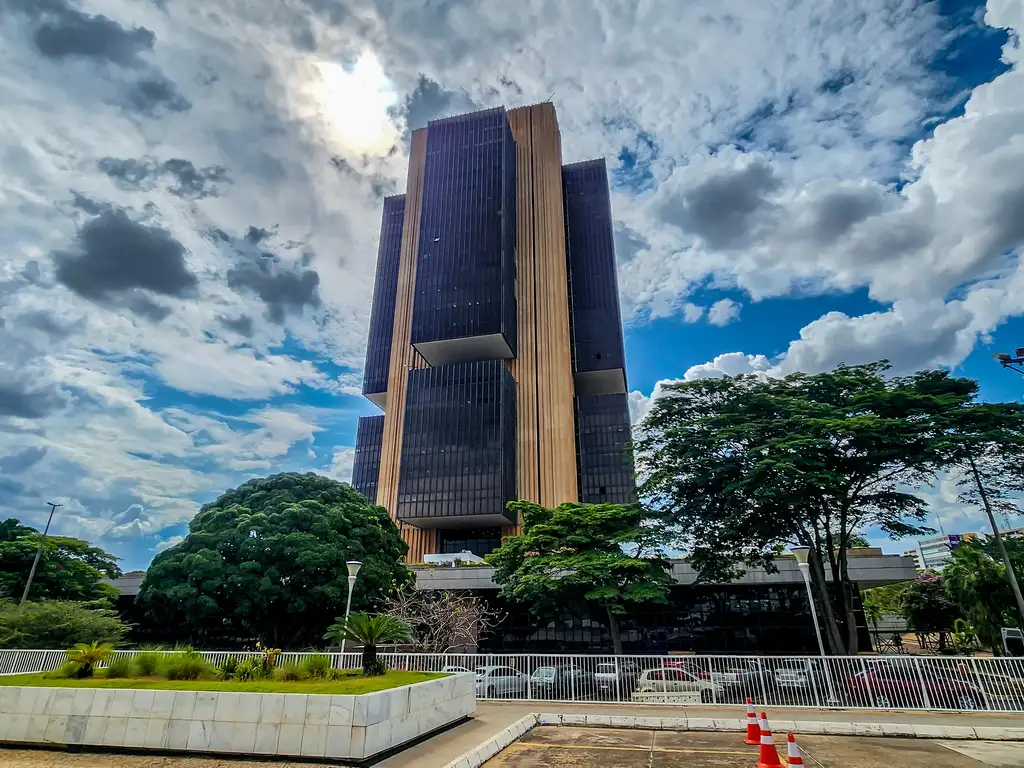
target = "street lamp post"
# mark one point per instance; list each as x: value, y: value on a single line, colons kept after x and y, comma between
x: 39, y: 552
x: 1013, y: 362
x: 801, y: 554
x: 353, y: 571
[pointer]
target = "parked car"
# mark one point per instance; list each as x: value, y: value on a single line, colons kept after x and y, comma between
x: 748, y: 678
x: 674, y: 680
x: 901, y: 682
x: 500, y: 682
x: 616, y: 679
x: 564, y: 681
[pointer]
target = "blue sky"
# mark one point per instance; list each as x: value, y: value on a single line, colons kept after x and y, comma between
x: 193, y: 192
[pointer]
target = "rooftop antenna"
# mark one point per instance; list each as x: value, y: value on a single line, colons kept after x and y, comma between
x: 551, y: 97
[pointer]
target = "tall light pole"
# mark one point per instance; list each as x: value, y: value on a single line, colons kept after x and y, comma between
x: 39, y: 553
x: 353, y: 571
x: 801, y: 554
x: 1013, y: 362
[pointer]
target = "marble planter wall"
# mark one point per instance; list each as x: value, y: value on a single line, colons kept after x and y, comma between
x: 278, y: 724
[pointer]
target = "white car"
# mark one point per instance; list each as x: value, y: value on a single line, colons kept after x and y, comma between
x: 500, y: 683
x: 671, y: 680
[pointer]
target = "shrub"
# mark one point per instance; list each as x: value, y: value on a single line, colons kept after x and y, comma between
x: 251, y: 669
x: 181, y: 666
x: 340, y: 674
x: 88, y: 655
x: 317, y: 666
x: 289, y: 672
x: 148, y: 663
x: 69, y: 669
x: 226, y: 669
x: 120, y: 666
x: 58, y: 624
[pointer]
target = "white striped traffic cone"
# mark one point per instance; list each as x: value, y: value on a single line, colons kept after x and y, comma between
x: 769, y: 757
x: 753, y: 727
x: 793, y: 751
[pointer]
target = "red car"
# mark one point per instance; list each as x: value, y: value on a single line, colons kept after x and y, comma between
x: 904, y: 683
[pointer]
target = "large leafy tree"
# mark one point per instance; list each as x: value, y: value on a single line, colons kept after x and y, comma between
x: 603, y: 556
x: 69, y: 569
x: 984, y: 444
x: 927, y: 607
x: 266, y: 561
x: 744, y: 466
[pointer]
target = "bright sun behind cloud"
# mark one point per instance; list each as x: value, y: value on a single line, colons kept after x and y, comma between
x: 352, y: 103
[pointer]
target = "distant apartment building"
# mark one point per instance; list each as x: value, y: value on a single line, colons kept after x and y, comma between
x: 937, y: 551
x: 914, y: 555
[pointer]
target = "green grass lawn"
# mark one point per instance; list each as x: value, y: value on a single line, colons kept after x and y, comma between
x: 355, y: 685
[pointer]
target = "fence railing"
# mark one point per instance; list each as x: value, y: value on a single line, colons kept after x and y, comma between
x: 868, y: 682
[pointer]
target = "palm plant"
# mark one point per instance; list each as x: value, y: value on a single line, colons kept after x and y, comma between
x: 88, y: 655
x: 370, y: 631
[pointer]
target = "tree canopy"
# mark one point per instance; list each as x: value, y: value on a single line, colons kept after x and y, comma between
x: 742, y: 467
x: 975, y: 579
x: 582, y: 555
x: 266, y: 561
x: 69, y: 569
x: 57, y: 624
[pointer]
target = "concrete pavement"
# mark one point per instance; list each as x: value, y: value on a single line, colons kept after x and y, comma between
x: 492, y: 718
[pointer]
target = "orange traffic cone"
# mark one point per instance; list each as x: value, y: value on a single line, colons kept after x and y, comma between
x: 753, y: 727
x: 793, y: 751
x: 769, y: 757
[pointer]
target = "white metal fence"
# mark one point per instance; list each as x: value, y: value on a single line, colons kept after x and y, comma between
x: 869, y: 682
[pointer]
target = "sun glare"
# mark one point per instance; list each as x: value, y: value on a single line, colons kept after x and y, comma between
x: 353, y: 104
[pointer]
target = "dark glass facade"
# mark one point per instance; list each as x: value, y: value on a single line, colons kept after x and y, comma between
x: 604, y: 461
x: 382, y: 316
x: 458, y: 463
x: 596, y: 321
x: 366, y: 466
x: 479, y: 541
x: 465, y: 261
x: 763, y: 619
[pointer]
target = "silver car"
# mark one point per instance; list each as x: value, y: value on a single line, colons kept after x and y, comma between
x: 500, y: 683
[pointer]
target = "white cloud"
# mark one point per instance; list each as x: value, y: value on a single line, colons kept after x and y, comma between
x: 724, y: 311
x: 341, y: 464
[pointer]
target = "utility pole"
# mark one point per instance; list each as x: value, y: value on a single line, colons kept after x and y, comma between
x: 39, y: 553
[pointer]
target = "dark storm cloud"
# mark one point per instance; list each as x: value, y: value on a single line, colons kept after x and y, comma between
x: 22, y: 396
x: 69, y: 32
x: 837, y: 212
x: 242, y: 325
x: 283, y: 290
x: 154, y: 94
x: 115, y: 258
x: 21, y: 461
x: 429, y: 100
x: 257, y: 235
x: 725, y: 208
x: 188, y: 181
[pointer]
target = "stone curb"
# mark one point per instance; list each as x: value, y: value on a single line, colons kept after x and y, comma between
x: 481, y: 754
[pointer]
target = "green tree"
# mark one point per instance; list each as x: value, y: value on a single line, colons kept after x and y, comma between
x: 927, y: 607
x: 266, y: 561
x: 69, y: 569
x: 744, y: 466
x: 370, y: 632
x: 880, y: 601
x: 600, y: 555
x: 51, y: 624
x: 985, y: 451
x: 976, y: 581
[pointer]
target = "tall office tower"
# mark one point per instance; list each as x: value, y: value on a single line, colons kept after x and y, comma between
x: 495, y: 346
